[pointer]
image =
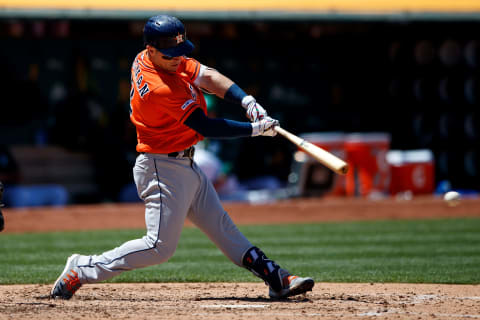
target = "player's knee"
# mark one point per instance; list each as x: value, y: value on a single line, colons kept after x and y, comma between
x: 150, y: 240
x: 164, y: 250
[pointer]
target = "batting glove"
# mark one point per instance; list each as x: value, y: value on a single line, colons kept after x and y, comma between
x: 255, y: 111
x: 265, y: 127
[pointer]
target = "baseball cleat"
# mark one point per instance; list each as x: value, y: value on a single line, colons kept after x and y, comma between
x: 292, y: 286
x: 68, y: 282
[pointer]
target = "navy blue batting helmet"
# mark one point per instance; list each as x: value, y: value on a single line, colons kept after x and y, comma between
x: 167, y: 34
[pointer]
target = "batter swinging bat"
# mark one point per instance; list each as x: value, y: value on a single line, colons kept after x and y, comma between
x: 324, y: 157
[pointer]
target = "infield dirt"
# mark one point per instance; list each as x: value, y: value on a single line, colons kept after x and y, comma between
x: 242, y: 300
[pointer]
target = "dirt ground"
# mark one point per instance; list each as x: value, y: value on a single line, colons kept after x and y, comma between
x: 242, y: 300
x: 127, y: 216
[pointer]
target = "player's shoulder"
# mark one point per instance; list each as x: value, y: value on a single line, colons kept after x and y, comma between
x: 189, y: 68
x: 188, y: 61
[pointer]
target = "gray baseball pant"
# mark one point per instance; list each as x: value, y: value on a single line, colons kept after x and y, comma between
x: 172, y: 189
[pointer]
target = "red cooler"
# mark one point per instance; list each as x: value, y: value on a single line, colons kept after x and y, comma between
x: 412, y: 171
x: 369, y: 171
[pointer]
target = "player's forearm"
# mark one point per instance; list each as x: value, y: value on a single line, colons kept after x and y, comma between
x: 223, y: 87
x: 225, y: 128
x: 214, y: 82
x: 217, y: 128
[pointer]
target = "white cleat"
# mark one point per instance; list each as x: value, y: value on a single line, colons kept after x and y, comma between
x: 67, y: 283
x: 292, y: 286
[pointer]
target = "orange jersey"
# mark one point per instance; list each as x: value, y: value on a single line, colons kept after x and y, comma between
x: 160, y: 101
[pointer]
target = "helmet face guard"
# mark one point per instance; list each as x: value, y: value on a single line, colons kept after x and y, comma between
x: 167, y: 34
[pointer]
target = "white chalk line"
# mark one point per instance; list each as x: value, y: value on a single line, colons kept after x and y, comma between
x: 327, y: 314
x: 429, y: 314
x: 366, y: 314
x: 234, y: 306
x: 417, y: 299
x: 432, y: 297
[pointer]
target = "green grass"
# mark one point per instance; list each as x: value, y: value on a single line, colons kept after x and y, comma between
x: 421, y: 251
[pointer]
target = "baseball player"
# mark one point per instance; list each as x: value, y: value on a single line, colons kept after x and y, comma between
x: 2, y: 220
x: 169, y: 112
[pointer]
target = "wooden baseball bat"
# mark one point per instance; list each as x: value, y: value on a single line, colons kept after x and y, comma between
x: 332, y: 162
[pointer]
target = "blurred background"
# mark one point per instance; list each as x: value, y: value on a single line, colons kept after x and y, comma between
x: 393, y: 88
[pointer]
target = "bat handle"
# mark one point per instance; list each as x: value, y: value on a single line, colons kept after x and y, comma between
x: 281, y: 131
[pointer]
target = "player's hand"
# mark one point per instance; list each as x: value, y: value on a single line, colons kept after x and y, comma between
x: 255, y: 111
x: 265, y: 127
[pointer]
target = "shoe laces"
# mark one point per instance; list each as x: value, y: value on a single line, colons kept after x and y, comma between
x: 72, y: 282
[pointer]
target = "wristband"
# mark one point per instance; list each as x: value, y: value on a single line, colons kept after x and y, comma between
x: 235, y: 94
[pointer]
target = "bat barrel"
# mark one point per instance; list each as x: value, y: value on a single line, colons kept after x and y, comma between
x: 326, y: 158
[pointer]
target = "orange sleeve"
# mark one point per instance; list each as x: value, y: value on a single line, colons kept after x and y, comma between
x: 189, y: 69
